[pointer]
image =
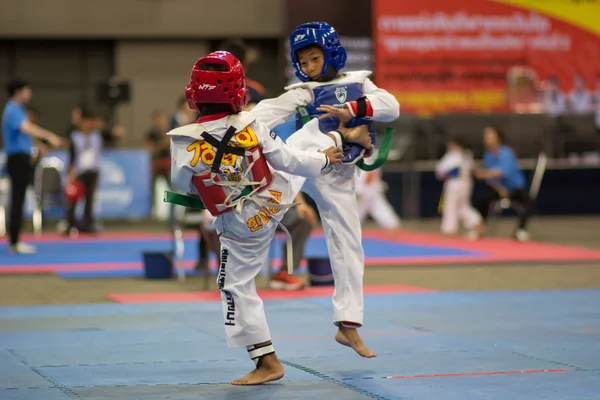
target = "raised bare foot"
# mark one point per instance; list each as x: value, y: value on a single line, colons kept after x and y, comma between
x: 350, y: 337
x: 270, y: 370
x: 341, y: 339
x: 359, y: 135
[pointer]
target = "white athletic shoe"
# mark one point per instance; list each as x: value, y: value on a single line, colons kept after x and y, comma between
x: 522, y: 235
x: 22, y: 248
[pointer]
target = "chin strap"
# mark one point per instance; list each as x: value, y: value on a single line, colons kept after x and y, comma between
x: 257, y: 352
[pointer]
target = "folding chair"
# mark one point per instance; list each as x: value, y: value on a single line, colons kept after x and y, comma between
x: 182, y: 219
x: 498, y: 206
x: 48, y: 187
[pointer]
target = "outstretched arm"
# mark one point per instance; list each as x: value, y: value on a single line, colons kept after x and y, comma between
x: 295, y: 161
x: 273, y: 112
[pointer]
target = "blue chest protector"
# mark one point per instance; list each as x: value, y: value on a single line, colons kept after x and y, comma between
x: 336, y: 94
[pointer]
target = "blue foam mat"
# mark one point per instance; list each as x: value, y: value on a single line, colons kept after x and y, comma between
x: 131, y: 250
x: 413, y: 334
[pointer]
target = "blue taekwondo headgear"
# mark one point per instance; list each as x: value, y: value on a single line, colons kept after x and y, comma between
x: 323, y: 35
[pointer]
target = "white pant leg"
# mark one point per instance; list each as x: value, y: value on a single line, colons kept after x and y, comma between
x: 452, y: 194
x: 382, y: 211
x: 467, y: 213
x: 241, y: 260
x: 334, y: 194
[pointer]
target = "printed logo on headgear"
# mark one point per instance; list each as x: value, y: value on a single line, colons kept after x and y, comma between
x: 206, y: 86
x: 299, y: 37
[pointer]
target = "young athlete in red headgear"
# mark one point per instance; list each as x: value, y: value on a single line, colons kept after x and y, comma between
x: 232, y: 162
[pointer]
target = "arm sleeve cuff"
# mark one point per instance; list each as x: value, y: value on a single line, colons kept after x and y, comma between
x: 339, y: 140
x: 360, y: 108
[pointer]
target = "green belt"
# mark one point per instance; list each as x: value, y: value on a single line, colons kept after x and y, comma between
x: 196, y: 203
x: 384, y: 148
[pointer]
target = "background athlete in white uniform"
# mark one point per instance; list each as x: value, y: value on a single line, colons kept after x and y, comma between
x: 232, y: 162
x: 456, y: 170
x: 370, y: 193
x: 317, y: 56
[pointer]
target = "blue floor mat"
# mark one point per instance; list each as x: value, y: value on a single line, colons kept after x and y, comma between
x: 178, y: 351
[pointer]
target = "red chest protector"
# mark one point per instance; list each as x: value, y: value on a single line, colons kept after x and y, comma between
x: 236, y: 172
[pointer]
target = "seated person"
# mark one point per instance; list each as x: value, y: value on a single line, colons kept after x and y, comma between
x: 504, y: 178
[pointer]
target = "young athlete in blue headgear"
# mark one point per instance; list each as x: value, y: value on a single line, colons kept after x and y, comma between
x: 325, y: 98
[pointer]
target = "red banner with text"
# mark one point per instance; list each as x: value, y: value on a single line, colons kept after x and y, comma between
x: 482, y: 55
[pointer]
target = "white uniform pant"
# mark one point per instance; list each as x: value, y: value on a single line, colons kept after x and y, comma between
x: 334, y: 193
x: 242, y: 258
x: 457, y: 207
x: 373, y: 202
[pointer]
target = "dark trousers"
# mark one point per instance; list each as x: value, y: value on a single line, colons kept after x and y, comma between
x: 19, y: 173
x: 519, y: 196
x: 89, y: 179
x: 300, y: 230
x: 208, y: 243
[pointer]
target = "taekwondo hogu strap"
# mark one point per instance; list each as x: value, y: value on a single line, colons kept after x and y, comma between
x: 221, y: 146
x: 384, y: 149
x: 196, y: 203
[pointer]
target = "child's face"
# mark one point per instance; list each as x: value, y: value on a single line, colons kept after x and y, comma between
x: 311, y: 61
x: 452, y: 146
x: 86, y: 125
x: 160, y: 121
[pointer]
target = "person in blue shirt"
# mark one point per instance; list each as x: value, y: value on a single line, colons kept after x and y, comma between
x: 17, y: 135
x: 504, y: 178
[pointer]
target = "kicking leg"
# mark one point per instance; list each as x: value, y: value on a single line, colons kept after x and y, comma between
x: 334, y: 194
x: 347, y: 335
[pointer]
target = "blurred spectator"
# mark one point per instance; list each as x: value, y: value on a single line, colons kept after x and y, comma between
x: 184, y: 114
x: 209, y: 241
x: 75, y: 118
x: 580, y: 100
x: 300, y: 222
x: 17, y: 133
x: 555, y: 102
x: 370, y: 194
x: 456, y: 170
x: 524, y: 90
x: 40, y: 146
x: 110, y: 133
x: 159, y: 146
x: 504, y: 178
x: 243, y: 53
x: 84, y: 166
